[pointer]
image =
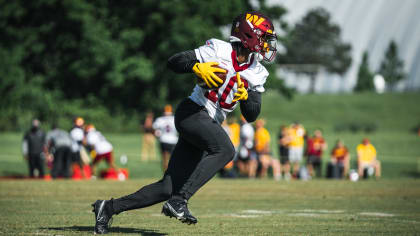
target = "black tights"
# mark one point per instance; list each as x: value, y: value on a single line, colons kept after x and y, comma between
x: 202, y: 150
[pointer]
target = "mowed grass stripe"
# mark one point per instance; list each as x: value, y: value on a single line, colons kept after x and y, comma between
x: 223, y: 207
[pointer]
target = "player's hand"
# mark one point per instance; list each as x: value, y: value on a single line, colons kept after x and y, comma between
x: 206, y: 71
x: 242, y: 93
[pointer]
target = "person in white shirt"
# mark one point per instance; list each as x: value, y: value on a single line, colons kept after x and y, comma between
x: 102, y: 147
x: 165, y: 130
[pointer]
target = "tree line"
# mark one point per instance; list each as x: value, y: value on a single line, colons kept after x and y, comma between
x: 106, y: 60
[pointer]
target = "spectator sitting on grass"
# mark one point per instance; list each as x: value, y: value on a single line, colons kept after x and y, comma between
x: 315, y: 146
x: 283, y: 141
x: 262, y: 147
x: 340, y: 160
x: 366, y: 159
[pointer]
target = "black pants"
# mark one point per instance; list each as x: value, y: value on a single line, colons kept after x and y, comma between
x: 61, y: 163
x: 202, y: 150
x: 36, y: 163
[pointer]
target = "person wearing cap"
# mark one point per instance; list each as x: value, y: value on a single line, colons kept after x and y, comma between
x: 165, y: 130
x: 33, y: 147
x: 77, y: 135
x: 366, y: 158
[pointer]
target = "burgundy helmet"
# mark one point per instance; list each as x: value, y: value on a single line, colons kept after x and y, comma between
x: 256, y: 33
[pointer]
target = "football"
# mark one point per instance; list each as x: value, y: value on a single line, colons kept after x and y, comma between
x: 222, y: 76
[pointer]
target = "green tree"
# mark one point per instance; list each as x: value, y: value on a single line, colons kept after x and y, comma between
x: 364, y: 76
x: 64, y: 57
x: 392, y: 68
x: 315, y: 43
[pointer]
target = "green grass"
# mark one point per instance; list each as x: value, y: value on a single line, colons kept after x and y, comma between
x: 389, y: 206
x: 223, y: 207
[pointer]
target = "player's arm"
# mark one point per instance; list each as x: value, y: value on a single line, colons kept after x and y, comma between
x: 186, y: 62
x: 251, y: 107
x: 182, y: 62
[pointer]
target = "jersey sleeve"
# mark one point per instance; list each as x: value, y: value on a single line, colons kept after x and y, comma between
x: 256, y: 76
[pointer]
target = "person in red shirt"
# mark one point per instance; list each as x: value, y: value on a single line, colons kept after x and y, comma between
x: 314, y: 148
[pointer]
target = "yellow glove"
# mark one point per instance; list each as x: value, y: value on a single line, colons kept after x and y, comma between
x: 241, y: 94
x: 205, y: 71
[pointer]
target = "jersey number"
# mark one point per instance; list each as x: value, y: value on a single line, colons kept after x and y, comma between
x: 212, y: 95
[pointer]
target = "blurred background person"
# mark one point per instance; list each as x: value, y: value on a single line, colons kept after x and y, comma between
x: 283, y: 141
x: 262, y: 147
x: 32, y: 148
x: 315, y: 146
x: 148, y: 144
x: 366, y: 159
x: 235, y: 131
x: 228, y: 171
x: 165, y: 130
x: 58, y: 147
x: 77, y: 134
x: 247, y: 158
x: 103, y: 149
x: 340, y: 160
x: 234, y: 135
x: 297, y: 141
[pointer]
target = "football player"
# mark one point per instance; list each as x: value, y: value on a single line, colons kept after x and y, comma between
x: 165, y: 130
x: 204, y: 147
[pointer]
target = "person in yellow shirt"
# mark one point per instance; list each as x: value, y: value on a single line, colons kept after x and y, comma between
x: 297, y: 137
x: 232, y: 128
x: 235, y: 130
x: 366, y: 158
x: 262, y: 147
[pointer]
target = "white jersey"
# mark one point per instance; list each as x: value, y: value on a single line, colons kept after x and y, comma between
x: 98, y: 141
x: 247, y: 135
x: 165, y: 127
x: 77, y: 135
x: 218, y: 102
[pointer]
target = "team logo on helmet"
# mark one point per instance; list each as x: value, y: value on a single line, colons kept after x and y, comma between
x: 256, y: 32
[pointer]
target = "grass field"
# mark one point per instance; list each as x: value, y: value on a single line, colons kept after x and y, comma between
x: 389, y: 206
x: 223, y: 207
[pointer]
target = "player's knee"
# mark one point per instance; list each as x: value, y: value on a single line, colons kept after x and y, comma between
x: 228, y: 152
x: 166, y: 187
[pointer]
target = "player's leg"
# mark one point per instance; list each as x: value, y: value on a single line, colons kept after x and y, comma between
x: 377, y: 166
x: 182, y: 163
x: 57, y: 163
x: 275, y: 163
x: 67, y: 162
x: 360, y: 167
x: 197, y: 128
x: 31, y: 165
x: 207, y: 135
x: 184, y: 160
x: 40, y: 165
x: 265, y: 164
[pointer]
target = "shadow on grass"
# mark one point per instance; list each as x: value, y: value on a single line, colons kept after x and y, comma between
x: 144, y: 232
